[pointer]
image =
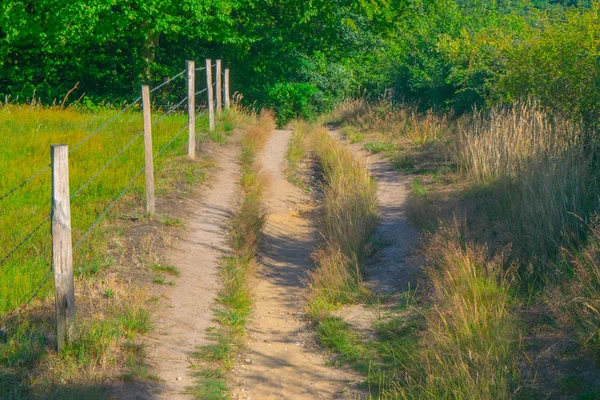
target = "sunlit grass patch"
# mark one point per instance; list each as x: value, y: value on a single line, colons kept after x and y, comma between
x: 111, y: 312
x: 378, y: 147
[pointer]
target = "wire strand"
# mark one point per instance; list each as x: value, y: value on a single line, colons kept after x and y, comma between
x: 167, y: 81
x: 170, y: 111
x: 200, y: 92
x: 127, y: 146
x: 35, y: 293
x: 73, y: 148
x: 170, y: 142
x: 25, y: 240
x: 104, y: 125
x: 105, y: 213
x: 112, y: 204
x: 25, y: 182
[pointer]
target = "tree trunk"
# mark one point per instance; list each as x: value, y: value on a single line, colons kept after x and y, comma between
x: 151, y: 44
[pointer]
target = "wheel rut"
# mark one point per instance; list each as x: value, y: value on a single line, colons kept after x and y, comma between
x: 283, y: 361
x: 394, y: 268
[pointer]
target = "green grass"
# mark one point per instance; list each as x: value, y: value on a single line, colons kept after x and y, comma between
x: 379, y: 147
x: 387, y: 360
x: 352, y: 134
x: 111, y: 312
x: 417, y: 188
x: 296, y: 153
x: 173, y: 221
x: 169, y: 269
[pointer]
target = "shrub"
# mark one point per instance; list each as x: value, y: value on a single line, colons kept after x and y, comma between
x: 292, y: 100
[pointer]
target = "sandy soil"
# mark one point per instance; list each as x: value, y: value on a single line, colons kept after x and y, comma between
x: 283, y: 362
x: 185, y: 312
x: 394, y: 268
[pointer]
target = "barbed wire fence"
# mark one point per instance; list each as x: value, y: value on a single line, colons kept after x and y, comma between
x: 59, y: 219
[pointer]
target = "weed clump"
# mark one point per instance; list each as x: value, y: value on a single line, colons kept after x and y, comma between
x: 347, y: 223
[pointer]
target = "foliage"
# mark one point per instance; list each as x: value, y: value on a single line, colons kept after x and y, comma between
x: 292, y: 100
x: 440, y: 53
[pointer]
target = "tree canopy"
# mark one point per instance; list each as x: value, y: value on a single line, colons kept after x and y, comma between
x: 299, y: 57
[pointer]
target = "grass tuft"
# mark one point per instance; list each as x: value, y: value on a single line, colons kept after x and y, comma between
x: 347, y: 222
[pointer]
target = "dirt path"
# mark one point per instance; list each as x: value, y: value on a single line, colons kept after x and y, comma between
x: 283, y: 362
x: 392, y: 269
x: 185, y: 313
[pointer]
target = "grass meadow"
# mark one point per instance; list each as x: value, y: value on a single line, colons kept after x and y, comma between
x: 27, y: 133
x: 113, y: 306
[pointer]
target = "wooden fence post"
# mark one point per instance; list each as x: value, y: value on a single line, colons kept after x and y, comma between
x: 191, y: 83
x: 226, y: 89
x: 62, y: 246
x: 148, y: 157
x: 219, y: 88
x: 211, y: 101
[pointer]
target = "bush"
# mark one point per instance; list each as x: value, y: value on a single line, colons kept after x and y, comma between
x: 292, y: 100
x: 558, y: 64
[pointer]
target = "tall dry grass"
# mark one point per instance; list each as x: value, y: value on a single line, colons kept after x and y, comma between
x: 470, y: 348
x: 472, y: 337
x: 540, y: 169
x: 507, y: 142
x: 575, y: 301
x: 250, y: 219
x: 391, y: 121
x: 348, y: 220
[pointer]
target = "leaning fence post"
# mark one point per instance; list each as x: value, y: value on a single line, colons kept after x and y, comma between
x: 211, y: 101
x: 226, y: 89
x: 62, y: 246
x: 148, y: 157
x: 218, y: 88
x: 191, y: 81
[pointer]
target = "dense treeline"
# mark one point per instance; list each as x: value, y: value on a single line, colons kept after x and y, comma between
x: 302, y: 57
